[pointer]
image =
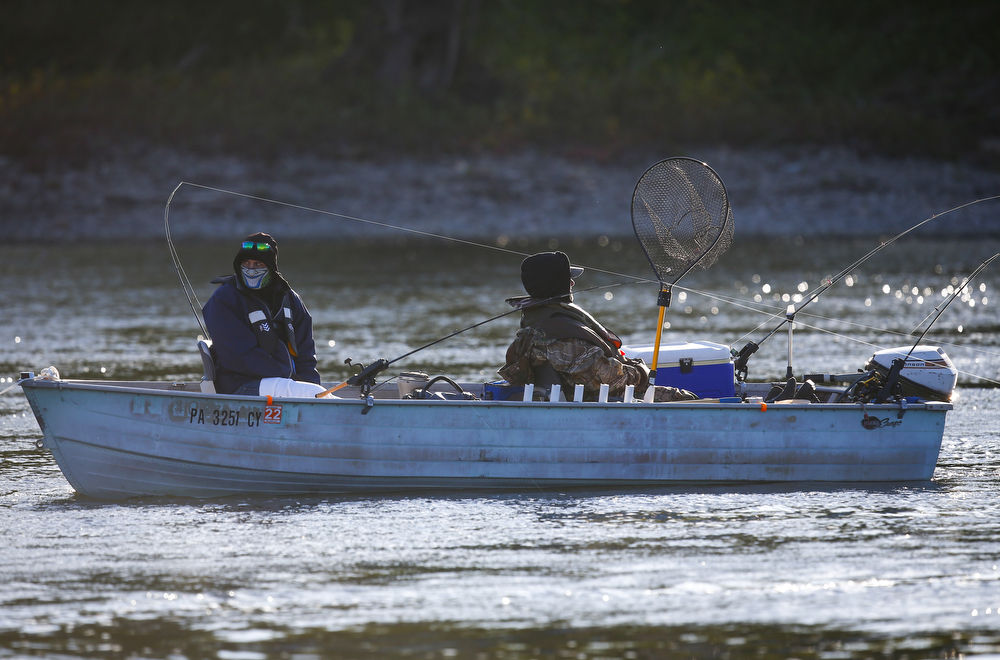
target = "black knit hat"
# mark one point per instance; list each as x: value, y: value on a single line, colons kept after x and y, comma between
x: 548, y: 274
x: 268, y: 255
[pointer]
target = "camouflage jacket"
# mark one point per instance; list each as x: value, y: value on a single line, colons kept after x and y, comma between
x: 579, y: 348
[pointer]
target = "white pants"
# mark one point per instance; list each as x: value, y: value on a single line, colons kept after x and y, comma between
x: 286, y: 387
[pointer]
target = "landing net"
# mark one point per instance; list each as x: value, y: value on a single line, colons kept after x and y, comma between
x: 681, y: 216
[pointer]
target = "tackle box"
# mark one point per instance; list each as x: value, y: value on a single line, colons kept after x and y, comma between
x: 702, y: 367
x: 501, y: 390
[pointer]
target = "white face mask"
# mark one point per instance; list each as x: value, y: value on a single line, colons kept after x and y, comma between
x: 256, y: 278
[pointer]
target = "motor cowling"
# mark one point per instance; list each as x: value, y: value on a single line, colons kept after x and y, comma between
x: 927, y: 373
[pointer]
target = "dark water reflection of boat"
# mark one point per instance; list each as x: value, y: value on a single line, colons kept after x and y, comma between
x: 168, y: 637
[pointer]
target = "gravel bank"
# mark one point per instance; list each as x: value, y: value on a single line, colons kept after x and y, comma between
x: 803, y: 192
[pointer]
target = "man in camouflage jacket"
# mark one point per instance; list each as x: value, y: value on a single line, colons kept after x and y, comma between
x: 559, y: 342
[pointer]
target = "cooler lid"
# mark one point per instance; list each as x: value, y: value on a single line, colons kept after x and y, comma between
x: 702, y: 352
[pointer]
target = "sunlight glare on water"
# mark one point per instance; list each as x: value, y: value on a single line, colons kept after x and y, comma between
x: 815, y: 572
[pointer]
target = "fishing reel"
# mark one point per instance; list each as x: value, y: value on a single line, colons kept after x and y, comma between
x: 741, y: 358
x: 874, y: 387
x: 366, y: 377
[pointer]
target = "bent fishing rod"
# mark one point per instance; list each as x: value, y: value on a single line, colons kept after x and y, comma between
x: 367, y: 375
x: 951, y: 299
x: 195, y: 303
x: 744, y: 354
x: 192, y: 297
x: 898, y: 363
x: 682, y: 219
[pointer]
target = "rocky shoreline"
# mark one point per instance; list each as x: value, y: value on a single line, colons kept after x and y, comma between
x: 525, y: 195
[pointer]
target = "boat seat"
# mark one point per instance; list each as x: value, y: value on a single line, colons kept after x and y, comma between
x: 208, y: 380
x: 545, y: 376
x: 779, y: 393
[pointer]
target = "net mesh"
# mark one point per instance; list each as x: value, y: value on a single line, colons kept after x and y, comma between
x: 681, y: 216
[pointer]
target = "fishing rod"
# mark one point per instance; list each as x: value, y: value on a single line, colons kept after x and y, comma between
x: 892, y: 377
x: 954, y: 295
x: 368, y: 373
x: 743, y: 355
x: 897, y: 364
x: 192, y: 297
x: 366, y: 377
x: 705, y: 258
x: 196, y: 304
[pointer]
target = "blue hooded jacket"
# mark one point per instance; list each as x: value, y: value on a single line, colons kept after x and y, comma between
x: 230, y: 316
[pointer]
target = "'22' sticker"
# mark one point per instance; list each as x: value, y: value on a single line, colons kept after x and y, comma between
x: 272, y: 414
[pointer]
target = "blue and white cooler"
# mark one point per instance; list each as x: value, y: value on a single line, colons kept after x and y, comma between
x: 702, y: 367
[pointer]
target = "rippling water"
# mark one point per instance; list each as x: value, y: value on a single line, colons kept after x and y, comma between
x: 755, y: 572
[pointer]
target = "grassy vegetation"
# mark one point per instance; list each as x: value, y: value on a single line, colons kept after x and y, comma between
x: 594, y: 77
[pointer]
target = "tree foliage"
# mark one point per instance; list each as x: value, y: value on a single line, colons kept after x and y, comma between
x: 915, y: 77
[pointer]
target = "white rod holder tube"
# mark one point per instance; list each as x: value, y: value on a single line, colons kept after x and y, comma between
x: 650, y: 394
x: 529, y: 392
x: 603, y: 396
x: 578, y: 393
x: 790, y: 315
x: 554, y: 392
x: 629, y: 393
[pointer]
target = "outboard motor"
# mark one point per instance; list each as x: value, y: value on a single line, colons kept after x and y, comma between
x: 927, y: 373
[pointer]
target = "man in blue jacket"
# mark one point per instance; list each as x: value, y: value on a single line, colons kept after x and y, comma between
x: 261, y: 330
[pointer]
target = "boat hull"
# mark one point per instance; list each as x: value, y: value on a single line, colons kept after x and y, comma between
x: 114, y: 442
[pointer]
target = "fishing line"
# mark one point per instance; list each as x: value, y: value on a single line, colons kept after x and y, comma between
x: 376, y: 223
x: 343, y: 216
x: 878, y: 347
x: 751, y: 347
x: 735, y: 302
x: 487, y: 246
x: 860, y: 326
x: 983, y: 378
x: 965, y: 282
x: 507, y: 313
x: 891, y: 381
x: 743, y: 356
x: 195, y: 303
x: 961, y: 286
x: 368, y: 373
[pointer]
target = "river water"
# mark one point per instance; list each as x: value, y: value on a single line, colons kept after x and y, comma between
x: 800, y: 571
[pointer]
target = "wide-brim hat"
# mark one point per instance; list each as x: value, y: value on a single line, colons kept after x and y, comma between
x: 548, y: 274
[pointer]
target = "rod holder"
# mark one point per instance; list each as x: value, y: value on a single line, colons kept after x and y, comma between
x: 790, y: 317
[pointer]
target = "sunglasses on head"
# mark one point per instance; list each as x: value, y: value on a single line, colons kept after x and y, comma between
x: 263, y: 247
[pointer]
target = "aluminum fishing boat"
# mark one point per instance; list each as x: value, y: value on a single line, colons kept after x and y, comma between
x: 116, y: 440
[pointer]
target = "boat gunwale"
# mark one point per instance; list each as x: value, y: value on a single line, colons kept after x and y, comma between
x: 169, y: 388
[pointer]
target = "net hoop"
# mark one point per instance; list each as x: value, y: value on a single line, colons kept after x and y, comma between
x: 681, y: 217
